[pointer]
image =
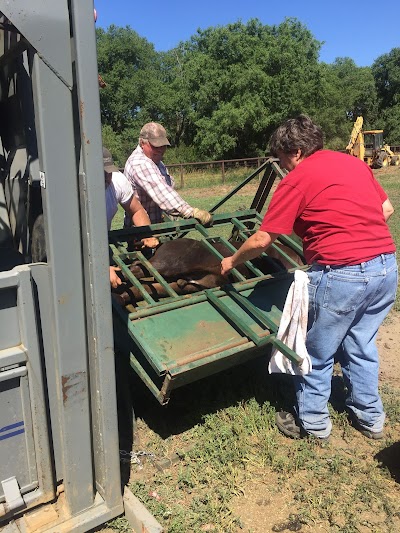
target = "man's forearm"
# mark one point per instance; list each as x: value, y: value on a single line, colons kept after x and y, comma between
x: 250, y: 249
x: 253, y: 247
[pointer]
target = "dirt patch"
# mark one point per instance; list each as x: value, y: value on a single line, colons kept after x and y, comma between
x: 263, y: 508
x: 389, y: 350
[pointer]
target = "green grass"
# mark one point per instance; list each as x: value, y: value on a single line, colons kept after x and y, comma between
x: 223, y: 430
x: 201, y: 179
x: 390, y: 181
x: 332, y: 488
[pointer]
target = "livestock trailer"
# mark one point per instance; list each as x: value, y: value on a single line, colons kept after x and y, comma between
x: 59, y: 453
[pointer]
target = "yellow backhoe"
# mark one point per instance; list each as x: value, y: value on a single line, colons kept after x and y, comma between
x: 369, y: 146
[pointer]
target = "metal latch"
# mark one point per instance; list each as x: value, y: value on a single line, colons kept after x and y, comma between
x: 42, y: 178
x: 12, y: 494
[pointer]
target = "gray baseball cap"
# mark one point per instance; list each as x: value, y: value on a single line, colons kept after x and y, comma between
x: 155, y: 134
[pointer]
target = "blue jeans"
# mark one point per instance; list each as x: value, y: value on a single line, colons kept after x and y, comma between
x: 347, y: 304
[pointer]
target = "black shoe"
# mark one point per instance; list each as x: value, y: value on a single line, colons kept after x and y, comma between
x: 289, y: 426
x: 374, y: 435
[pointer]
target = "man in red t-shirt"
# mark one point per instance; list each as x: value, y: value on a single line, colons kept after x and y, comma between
x: 333, y: 202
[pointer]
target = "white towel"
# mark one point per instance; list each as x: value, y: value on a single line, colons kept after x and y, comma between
x: 293, y: 329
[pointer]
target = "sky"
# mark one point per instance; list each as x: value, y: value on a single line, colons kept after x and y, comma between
x: 360, y: 31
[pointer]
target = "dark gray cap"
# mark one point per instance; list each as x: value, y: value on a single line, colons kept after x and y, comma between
x: 108, y: 161
x: 155, y: 134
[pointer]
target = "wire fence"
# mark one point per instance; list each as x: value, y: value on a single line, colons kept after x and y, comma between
x: 206, y: 173
x: 209, y: 173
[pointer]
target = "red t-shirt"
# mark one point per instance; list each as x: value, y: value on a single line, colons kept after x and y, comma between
x: 333, y: 202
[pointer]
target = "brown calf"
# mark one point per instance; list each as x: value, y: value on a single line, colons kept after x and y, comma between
x: 189, y: 266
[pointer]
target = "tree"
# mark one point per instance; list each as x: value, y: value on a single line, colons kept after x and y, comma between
x: 222, y: 93
x: 386, y: 71
x: 347, y: 92
x: 243, y: 80
x: 129, y: 66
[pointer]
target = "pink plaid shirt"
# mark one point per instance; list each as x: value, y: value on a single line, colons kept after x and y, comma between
x: 154, y: 187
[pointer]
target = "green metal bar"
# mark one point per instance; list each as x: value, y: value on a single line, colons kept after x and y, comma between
x: 281, y: 173
x: 232, y: 316
x: 241, y: 230
x: 285, y: 239
x: 128, y: 274
x: 283, y: 254
x: 137, y: 367
x: 230, y: 247
x: 200, y: 228
x: 156, y: 274
x: 139, y: 256
x: 203, y: 232
x: 250, y: 308
x: 240, y: 186
x: 287, y: 352
x: 258, y: 341
x: 298, y: 248
x: 264, y: 188
x: 224, y: 354
x: 240, y: 226
x: 176, y: 226
x: 234, y: 271
x: 248, y: 264
x: 117, y: 247
x: 190, y: 299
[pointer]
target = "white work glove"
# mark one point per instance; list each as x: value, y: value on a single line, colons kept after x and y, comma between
x: 204, y: 217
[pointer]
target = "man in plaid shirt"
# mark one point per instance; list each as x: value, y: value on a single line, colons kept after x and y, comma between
x: 150, y: 180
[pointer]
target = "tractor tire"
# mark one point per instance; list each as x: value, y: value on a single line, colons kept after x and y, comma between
x: 382, y: 161
x: 396, y: 160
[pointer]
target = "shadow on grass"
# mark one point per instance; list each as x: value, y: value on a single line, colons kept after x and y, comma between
x: 390, y: 458
x: 189, y: 404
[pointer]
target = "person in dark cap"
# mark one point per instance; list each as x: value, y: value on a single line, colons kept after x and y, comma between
x: 151, y: 182
x: 119, y: 191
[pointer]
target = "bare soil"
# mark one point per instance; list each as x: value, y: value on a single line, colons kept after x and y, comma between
x: 389, y: 350
x: 261, y: 508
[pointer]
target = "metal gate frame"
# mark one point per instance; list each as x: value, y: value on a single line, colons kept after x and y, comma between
x: 253, y: 327
x: 51, y: 48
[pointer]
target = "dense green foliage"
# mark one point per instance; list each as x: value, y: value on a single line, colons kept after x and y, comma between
x: 386, y: 72
x: 222, y: 93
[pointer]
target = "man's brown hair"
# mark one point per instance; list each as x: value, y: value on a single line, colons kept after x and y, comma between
x: 298, y: 133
